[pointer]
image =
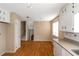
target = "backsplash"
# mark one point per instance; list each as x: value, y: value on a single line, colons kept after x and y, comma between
x: 72, y: 36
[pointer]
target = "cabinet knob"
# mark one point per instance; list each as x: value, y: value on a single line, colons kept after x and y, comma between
x: 72, y: 11
x: 0, y: 11
x: 73, y: 6
x: 75, y: 35
x: 65, y: 27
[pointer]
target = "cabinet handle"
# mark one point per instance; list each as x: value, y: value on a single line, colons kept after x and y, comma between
x: 72, y: 28
x: 0, y: 11
x: 75, y: 35
x: 73, y: 5
x: 65, y: 9
x: 72, y: 11
x: 65, y: 27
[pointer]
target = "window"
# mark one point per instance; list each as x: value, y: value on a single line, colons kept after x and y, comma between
x: 55, y: 28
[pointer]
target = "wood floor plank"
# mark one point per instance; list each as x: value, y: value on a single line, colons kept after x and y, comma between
x: 33, y: 48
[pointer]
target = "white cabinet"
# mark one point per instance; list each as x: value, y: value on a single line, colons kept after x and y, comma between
x: 66, y: 18
x: 57, y: 49
x: 4, y: 16
x: 60, y: 51
x: 69, y: 18
x: 65, y: 53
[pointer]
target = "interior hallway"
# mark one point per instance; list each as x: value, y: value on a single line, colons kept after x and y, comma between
x: 34, y: 48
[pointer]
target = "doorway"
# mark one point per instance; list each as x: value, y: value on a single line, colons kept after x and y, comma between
x: 31, y: 34
x: 23, y: 30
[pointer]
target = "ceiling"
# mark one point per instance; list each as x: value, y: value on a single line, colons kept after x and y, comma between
x: 36, y: 11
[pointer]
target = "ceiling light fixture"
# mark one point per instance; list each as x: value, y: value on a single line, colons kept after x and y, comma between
x: 29, y: 5
x: 28, y: 17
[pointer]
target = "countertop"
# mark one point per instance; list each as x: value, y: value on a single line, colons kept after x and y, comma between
x: 67, y: 45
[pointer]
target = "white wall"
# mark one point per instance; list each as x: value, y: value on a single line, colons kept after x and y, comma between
x: 2, y: 38
x: 17, y: 34
x: 13, y: 34
x: 42, y: 31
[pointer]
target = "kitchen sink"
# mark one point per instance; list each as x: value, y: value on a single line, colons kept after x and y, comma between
x: 76, y: 51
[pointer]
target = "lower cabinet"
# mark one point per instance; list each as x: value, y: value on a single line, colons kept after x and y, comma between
x: 60, y: 51
x: 57, y: 49
x: 65, y: 53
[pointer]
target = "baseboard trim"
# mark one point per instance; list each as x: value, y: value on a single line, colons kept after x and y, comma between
x: 2, y: 53
x: 24, y: 40
x: 8, y: 51
x: 13, y: 51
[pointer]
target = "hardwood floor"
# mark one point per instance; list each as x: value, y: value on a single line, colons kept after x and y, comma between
x: 33, y: 48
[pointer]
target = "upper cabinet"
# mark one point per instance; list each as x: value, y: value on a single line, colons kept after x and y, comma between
x: 4, y: 16
x: 76, y: 18
x: 68, y: 18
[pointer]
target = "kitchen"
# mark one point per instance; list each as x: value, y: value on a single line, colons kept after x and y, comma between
x: 66, y: 42
x: 62, y: 29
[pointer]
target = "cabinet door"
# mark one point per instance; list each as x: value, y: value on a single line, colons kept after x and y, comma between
x: 76, y: 8
x: 65, y: 53
x: 67, y: 18
x: 70, y: 18
x: 61, y: 22
x: 4, y: 16
x: 57, y: 50
x: 7, y: 17
x: 63, y: 19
